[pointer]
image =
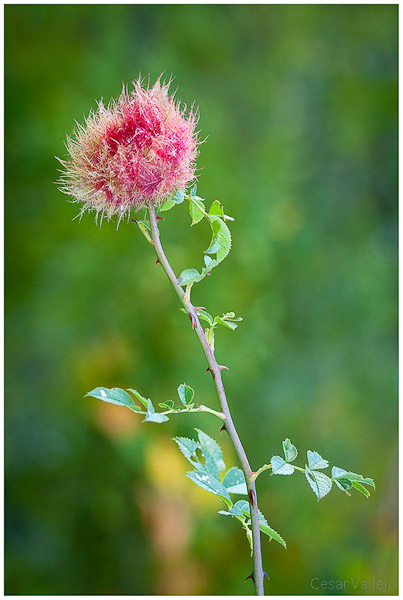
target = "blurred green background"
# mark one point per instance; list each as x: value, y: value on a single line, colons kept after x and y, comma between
x: 300, y: 106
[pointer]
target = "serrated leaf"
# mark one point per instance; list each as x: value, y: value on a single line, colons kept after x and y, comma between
x: 188, y: 448
x: 234, y: 481
x: 342, y: 484
x: 189, y: 276
x: 210, y: 465
x: 223, y: 236
x: 179, y: 197
x: 203, y: 314
x: 244, y: 507
x: 208, y: 483
x: 214, y: 449
x: 320, y: 483
x: 145, y: 401
x: 228, y: 324
x: 234, y: 511
x: 169, y: 404
x: 153, y: 417
x: 213, y: 248
x: 193, y: 191
x: 114, y: 396
x: 210, y: 337
x: 216, y: 209
x: 209, y: 262
x: 290, y: 451
x: 196, y: 209
x: 361, y: 489
x: 231, y: 317
x: 355, y: 478
x: 167, y: 205
x: 186, y: 394
x: 315, y: 461
x: 280, y: 467
x: 272, y: 534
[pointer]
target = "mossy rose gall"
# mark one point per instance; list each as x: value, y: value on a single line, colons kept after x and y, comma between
x: 140, y: 149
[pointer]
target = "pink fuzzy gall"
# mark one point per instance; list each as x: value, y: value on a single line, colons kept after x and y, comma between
x: 138, y: 150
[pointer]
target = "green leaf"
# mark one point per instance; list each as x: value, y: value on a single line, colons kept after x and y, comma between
x: 197, y: 209
x: 345, y: 480
x: 179, y: 197
x: 361, y: 489
x: 167, y: 205
x: 244, y: 507
x: 216, y: 209
x: 234, y: 511
x: 145, y: 401
x: 290, y: 451
x: 189, y: 276
x: 234, y: 481
x: 193, y: 190
x: 213, y: 448
x: 230, y: 316
x: 188, y: 448
x: 355, y: 478
x: 342, y: 483
x: 208, y: 483
x: 223, y: 236
x: 228, y: 324
x: 203, y: 314
x: 320, y: 483
x: 213, y: 248
x: 280, y: 467
x: 154, y: 417
x: 210, y: 465
x: 186, y: 394
x: 209, y: 332
x: 114, y: 396
x: 209, y: 262
x: 169, y: 404
x: 273, y: 535
x: 315, y: 461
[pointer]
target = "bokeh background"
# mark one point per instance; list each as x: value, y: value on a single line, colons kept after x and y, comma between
x: 300, y: 106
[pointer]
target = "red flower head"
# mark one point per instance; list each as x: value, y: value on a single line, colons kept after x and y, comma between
x: 140, y: 149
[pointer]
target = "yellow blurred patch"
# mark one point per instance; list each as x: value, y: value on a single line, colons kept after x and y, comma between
x: 115, y: 421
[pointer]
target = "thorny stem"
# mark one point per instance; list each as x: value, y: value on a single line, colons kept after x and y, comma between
x: 216, y: 374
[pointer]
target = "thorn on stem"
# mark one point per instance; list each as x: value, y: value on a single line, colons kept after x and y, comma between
x: 252, y: 497
x: 265, y: 575
x: 222, y: 429
x: 221, y: 367
x: 199, y: 308
x: 212, y: 372
x: 251, y: 576
x: 134, y: 220
x: 157, y: 261
x: 192, y: 320
x: 160, y: 218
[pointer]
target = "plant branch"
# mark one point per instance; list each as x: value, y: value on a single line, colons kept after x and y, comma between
x: 216, y: 374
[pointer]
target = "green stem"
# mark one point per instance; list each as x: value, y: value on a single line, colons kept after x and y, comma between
x: 216, y: 374
x: 255, y: 475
